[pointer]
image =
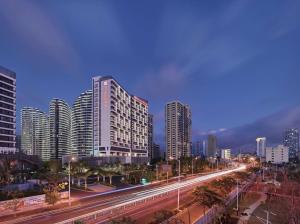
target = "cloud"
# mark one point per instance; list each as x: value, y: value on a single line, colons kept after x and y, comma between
x: 272, y: 127
x: 167, y: 82
x: 30, y: 23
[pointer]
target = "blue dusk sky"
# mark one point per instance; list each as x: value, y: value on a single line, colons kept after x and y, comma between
x: 236, y: 63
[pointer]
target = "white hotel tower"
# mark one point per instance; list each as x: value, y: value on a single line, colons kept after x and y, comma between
x: 120, y: 121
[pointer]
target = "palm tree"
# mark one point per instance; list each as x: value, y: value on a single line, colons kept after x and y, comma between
x: 206, y: 197
x: 98, y: 171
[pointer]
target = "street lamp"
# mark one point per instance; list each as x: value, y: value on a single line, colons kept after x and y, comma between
x: 237, y: 196
x: 72, y: 159
x: 178, y: 191
x: 193, y: 164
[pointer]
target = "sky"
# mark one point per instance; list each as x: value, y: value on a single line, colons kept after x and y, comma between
x: 236, y: 63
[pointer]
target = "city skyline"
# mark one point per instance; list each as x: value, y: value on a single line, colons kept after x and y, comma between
x: 145, y: 65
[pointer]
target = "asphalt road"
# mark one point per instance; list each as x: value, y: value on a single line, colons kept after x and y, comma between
x: 135, y: 202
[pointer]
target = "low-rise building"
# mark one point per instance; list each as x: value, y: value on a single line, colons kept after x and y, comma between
x: 226, y: 153
x: 277, y: 155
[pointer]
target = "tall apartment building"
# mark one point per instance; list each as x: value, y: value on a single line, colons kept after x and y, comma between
x: 82, y: 125
x: 277, y: 155
x: 211, y: 149
x: 156, y: 151
x: 120, y: 121
x: 35, y: 133
x: 60, y: 129
x: 7, y: 111
x: 198, y: 148
x: 178, y: 124
x: 150, y: 137
x: 291, y: 140
x: 261, y: 147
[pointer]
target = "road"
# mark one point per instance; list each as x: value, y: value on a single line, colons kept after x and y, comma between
x: 100, y: 210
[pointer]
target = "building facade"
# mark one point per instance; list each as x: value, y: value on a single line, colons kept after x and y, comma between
x: 150, y: 137
x: 7, y: 111
x: 277, y: 155
x: 211, y: 149
x: 198, y: 149
x: 35, y: 133
x: 291, y: 140
x: 178, y: 125
x: 156, y: 151
x: 82, y: 125
x: 60, y: 129
x: 226, y: 154
x: 120, y: 121
x: 261, y: 146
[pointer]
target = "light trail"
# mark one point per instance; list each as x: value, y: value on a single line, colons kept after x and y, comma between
x: 144, y: 195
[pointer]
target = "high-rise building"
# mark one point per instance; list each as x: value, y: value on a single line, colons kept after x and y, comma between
x: 211, y: 149
x: 60, y: 129
x: 120, y: 121
x: 150, y: 136
x: 82, y: 125
x: 261, y: 146
x: 178, y: 124
x: 277, y: 155
x: 291, y: 140
x: 35, y: 133
x: 198, y: 149
x: 156, y: 151
x: 7, y: 111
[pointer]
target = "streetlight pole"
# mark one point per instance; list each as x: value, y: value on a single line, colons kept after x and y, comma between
x: 71, y: 159
x: 167, y: 170
x: 156, y: 172
x: 69, y: 182
x: 178, y: 192
x: 192, y: 166
x: 237, y: 197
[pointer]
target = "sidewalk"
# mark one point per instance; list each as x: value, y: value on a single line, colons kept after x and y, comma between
x: 251, y: 209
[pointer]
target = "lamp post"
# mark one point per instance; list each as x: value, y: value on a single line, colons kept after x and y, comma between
x: 167, y: 171
x: 193, y: 165
x: 178, y: 192
x: 237, y: 197
x: 72, y: 159
x: 156, y: 172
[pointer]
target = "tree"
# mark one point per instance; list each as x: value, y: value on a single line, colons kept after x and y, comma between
x: 54, y: 185
x: 123, y: 220
x: 223, y: 185
x: 161, y: 216
x: 7, y: 166
x: 206, y: 197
